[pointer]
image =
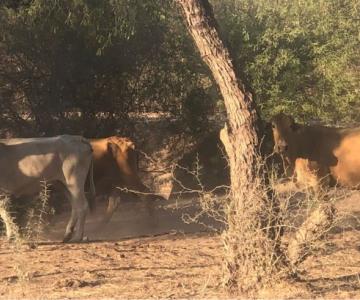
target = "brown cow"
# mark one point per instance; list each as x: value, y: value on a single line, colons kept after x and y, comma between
x: 115, y: 165
x: 309, y: 174
x: 324, y: 150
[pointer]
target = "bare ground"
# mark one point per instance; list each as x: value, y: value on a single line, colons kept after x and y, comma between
x: 159, y: 256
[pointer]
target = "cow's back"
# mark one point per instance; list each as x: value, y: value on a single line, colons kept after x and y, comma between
x: 74, y: 145
x: 334, y: 150
x: 27, y: 162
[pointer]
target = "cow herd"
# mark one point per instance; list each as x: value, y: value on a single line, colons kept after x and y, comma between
x: 314, y: 154
x: 78, y: 164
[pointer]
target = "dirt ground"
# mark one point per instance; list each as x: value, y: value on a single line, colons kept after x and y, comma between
x: 138, y: 255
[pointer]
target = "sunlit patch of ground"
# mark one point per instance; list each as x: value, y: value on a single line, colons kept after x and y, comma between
x: 177, y: 261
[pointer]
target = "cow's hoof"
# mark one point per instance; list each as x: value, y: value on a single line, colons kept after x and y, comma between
x: 66, y: 238
x: 84, y: 239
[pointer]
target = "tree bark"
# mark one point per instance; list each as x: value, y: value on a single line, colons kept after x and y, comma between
x: 250, y: 249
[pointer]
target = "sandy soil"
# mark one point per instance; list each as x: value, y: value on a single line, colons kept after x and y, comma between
x: 159, y: 256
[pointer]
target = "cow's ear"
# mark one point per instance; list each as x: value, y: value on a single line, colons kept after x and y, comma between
x: 112, y: 148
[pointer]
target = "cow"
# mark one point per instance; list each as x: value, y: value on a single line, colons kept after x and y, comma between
x: 310, y: 175
x: 329, y: 152
x: 115, y: 166
x: 64, y: 159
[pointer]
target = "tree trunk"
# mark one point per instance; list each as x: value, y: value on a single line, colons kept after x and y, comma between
x: 250, y: 249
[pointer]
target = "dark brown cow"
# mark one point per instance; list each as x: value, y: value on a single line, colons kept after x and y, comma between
x: 115, y: 165
x: 323, y: 150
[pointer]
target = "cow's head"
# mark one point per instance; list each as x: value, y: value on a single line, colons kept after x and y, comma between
x: 123, y: 151
x: 283, y: 128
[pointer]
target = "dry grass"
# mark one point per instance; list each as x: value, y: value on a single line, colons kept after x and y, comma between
x: 12, y: 230
x: 38, y: 215
x: 294, y: 223
x: 167, y: 266
x: 29, y: 237
x: 185, y: 266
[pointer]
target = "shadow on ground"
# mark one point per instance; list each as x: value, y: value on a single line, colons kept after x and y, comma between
x: 134, y: 220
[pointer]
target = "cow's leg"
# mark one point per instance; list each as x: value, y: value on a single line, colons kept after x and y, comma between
x: 113, y: 203
x: 79, y: 232
x: 75, y: 173
x: 70, y: 227
x: 12, y: 230
x: 79, y: 205
x: 73, y: 219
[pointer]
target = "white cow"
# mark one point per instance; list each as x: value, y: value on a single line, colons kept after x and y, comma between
x: 24, y: 163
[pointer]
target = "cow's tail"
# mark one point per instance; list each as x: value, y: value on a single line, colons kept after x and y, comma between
x: 92, y: 192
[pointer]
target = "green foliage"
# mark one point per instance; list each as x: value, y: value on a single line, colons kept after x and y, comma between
x: 63, y: 63
x: 301, y: 57
x: 85, y: 56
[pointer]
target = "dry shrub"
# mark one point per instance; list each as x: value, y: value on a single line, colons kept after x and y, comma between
x: 12, y: 230
x: 252, y: 253
x: 210, y: 202
x: 274, y: 233
x: 247, y: 232
x: 30, y: 236
x: 15, y: 238
x: 37, y: 212
x: 38, y: 215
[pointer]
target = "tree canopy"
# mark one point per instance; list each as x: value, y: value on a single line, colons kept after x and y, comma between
x: 69, y: 59
x: 301, y: 57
